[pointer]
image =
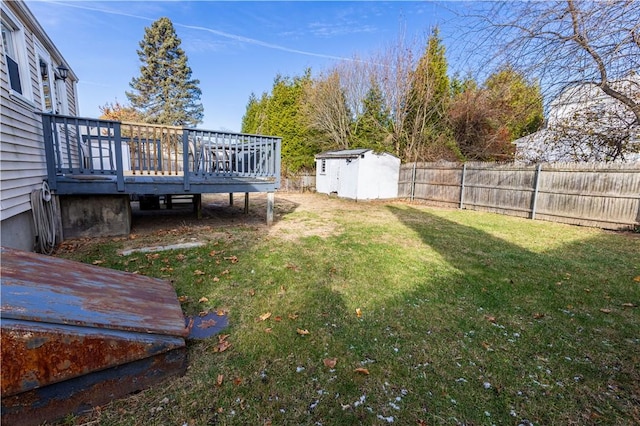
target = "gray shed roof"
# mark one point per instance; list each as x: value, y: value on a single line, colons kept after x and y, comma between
x: 345, y: 153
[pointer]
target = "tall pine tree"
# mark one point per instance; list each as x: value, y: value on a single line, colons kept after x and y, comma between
x: 164, y: 92
x: 426, y: 136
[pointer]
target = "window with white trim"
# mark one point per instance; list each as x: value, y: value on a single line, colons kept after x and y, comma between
x: 11, y: 58
x: 14, y: 52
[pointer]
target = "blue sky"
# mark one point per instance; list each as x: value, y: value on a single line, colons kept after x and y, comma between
x: 234, y: 48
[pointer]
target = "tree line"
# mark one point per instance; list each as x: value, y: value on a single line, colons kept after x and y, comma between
x: 401, y: 103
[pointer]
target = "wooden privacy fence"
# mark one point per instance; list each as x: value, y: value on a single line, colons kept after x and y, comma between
x: 603, y: 195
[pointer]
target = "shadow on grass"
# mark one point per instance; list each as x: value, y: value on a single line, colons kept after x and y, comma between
x: 547, y: 328
x: 217, y: 210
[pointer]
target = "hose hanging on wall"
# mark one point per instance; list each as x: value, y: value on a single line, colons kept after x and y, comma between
x: 44, y: 219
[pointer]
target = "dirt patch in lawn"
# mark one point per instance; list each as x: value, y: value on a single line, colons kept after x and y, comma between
x: 296, y: 215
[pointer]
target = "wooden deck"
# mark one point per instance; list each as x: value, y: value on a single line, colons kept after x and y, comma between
x: 89, y: 156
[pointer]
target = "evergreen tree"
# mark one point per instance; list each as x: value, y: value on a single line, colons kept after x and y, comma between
x: 250, y: 119
x: 281, y: 113
x: 426, y: 135
x: 164, y: 92
x: 373, y: 126
x: 519, y: 101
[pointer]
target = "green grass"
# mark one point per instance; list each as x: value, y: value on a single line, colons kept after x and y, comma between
x: 467, y: 318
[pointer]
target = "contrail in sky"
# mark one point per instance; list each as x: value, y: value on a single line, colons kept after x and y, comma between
x: 230, y: 36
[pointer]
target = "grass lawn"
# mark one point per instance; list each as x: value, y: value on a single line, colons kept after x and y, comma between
x: 415, y: 316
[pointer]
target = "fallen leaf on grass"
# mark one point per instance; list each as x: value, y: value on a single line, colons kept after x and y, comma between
x: 203, y: 300
x: 220, y: 312
x: 330, y: 362
x: 268, y: 330
x: 490, y: 318
x: 183, y: 299
x: 233, y: 259
x: 181, y: 257
x: 237, y: 381
x: 203, y: 313
x: 293, y: 316
x: 637, y: 279
x: 225, y: 272
x: 278, y: 318
x: 265, y: 316
x: 252, y: 292
x: 362, y: 371
x: 220, y: 379
x: 358, y: 312
x: 213, y: 253
x: 222, y: 344
x: 198, y: 272
x: 538, y: 315
x: 628, y: 305
x: 302, y: 332
x: 97, y: 262
x: 605, y: 310
x: 292, y: 267
x: 216, y: 279
x: 486, y: 345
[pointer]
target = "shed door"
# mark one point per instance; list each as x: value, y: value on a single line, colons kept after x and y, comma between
x: 334, y: 176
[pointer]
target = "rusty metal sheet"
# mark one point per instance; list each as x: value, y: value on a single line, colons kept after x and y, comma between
x: 39, y: 354
x: 77, y: 395
x: 59, y: 291
x: 76, y: 335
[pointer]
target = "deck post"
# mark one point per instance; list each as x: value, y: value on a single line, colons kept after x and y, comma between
x: 231, y: 198
x: 270, y: 203
x: 246, y: 203
x: 49, y: 151
x: 117, y: 138
x: 197, y: 205
x: 185, y: 159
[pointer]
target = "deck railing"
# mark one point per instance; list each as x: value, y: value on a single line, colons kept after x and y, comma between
x: 77, y: 146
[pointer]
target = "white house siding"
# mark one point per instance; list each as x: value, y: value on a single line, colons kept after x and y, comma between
x: 22, y: 157
x: 577, y: 112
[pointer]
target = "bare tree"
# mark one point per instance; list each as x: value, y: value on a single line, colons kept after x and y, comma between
x: 393, y: 74
x: 567, y: 44
x: 326, y: 109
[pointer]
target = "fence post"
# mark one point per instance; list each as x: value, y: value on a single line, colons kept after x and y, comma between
x: 413, y: 182
x: 464, y: 169
x: 536, y: 182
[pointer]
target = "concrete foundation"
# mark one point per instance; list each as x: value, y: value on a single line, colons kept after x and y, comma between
x: 18, y: 232
x: 95, y: 215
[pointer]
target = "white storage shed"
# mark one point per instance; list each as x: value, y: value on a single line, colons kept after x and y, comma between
x: 359, y: 174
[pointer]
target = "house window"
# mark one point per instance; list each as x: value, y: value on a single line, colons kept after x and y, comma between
x: 323, y: 166
x: 11, y: 57
x: 45, y: 86
x: 14, y: 51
